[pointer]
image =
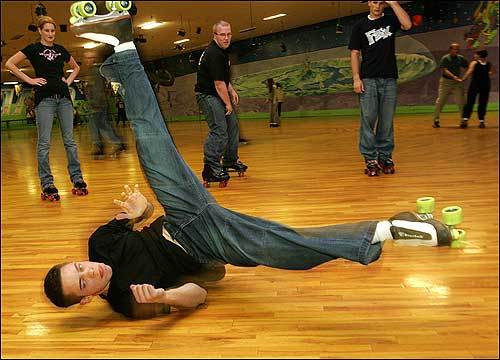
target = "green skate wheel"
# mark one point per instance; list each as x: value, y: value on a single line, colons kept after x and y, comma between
x: 458, y: 235
x: 452, y: 215
x: 118, y: 5
x: 73, y: 20
x: 425, y: 205
x: 73, y: 11
x: 86, y: 8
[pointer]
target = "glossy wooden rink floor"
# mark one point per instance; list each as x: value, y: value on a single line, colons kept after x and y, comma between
x: 412, y: 303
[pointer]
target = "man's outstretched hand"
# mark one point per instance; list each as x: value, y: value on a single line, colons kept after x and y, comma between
x: 133, y: 203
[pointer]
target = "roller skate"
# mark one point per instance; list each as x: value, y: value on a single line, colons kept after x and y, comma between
x: 387, y: 166
x: 274, y: 124
x: 481, y: 124
x: 117, y: 150
x: 237, y: 166
x: 407, y: 228
x: 464, y: 124
x: 98, y: 152
x: 436, y: 124
x: 114, y: 28
x: 209, y: 175
x: 79, y: 188
x: 372, y: 168
x: 50, y: 193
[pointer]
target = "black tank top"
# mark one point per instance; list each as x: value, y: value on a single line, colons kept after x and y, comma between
x: 480, y: 75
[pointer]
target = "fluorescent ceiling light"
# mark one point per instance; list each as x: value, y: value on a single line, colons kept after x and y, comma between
x: 181, y: 41
x: 76, y: 80
x: 151, y: 25
x: 248, y: 29
x: 11, y: 83
x: 69, y: 70
x: 91, y: 45
x: 274, y: 17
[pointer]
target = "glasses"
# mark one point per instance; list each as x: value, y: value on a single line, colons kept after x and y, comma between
x: 224, y: 35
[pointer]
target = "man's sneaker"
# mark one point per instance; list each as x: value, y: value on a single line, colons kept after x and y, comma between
x: 481, y: 125
x: 436, y: 124
x: 409, y: 228
x: 114, y: 28
x: 464, y: 124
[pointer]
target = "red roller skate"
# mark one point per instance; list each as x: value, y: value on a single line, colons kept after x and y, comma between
x: 80, y: 188
x: 50, y: 193
x: 387, y: 166
x: 210, y: 175
x: 372, y: 168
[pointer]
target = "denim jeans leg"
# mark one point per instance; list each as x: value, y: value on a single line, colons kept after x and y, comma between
x: 65, y: 115
x: 368, y: 101
x: 95, y: 136
x: 45, y: 112
x: 242, y: 240
x: 217, y: 138
x: 233, y: 136
x: 387, y: 94
x: 175, y: 185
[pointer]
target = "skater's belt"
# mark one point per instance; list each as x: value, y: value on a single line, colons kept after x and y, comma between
x: 167, y: 236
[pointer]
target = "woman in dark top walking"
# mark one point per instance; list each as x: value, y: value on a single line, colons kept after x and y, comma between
x: 51, y: 97
x: 481, y: 70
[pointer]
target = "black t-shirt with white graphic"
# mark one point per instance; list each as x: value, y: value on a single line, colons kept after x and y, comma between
x: 48, y: 62
x: 376, y: 41
x: 213, y: 65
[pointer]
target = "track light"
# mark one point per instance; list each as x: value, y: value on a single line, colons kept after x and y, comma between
x: 181, y: 32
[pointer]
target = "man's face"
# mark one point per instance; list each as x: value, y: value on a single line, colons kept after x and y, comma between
x: 223, y: 36
x: 454, y: 50
x: 376, y: 7
x: 84, y: 278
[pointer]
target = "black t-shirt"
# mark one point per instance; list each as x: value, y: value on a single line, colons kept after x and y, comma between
x: 137, y: 257
x: 376, y: 41
x: 481, y: 75
x: 48, y: 62
x: 213, y: 65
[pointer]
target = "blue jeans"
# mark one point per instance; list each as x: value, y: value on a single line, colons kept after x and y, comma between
x: 223, y: 135
x: 45, y: 112
x: 100, y: 127
x: 205, y: 229
x: 377, y: 102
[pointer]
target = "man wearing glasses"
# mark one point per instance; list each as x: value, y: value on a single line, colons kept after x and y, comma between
x: 216, y: 97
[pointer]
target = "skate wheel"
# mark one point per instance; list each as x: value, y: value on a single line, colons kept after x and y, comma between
x: 241, y: 173
x: 42, y: 196
x: 223, y: 184
x: 452, y: 215
x: 118, y: 5
x: 206, y: 184
x: 425, y: 205
x: 86, y: 8
x: 458, y: 235
x: 73, y: 20
x: 73, y: 11
x: 73, y: 191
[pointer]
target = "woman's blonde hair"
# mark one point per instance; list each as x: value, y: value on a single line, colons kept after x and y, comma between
x: 45, y: 20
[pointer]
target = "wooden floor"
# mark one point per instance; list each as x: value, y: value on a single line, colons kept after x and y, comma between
x: 412, y: 303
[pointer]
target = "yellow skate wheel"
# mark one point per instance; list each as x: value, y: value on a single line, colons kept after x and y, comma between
x: 86, y: 8
x: 458, y: 235
x: 73, y: 11
x: 452, y: 215
x: 425, y: 205
x: 73, y: 20
x: 118, y: 5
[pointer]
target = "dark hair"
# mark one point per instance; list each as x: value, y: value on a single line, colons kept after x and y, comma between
x: 52, y: 286
x: 482, y: 53
x: 270, y: 83
x: 278, y: 85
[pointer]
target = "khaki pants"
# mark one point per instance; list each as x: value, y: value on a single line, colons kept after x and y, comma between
x: 447, y: 86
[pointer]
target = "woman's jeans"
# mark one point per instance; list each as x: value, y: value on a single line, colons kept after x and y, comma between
x: 377, y: 102
x: 206, y: 230
x: 45, y: 112
x: 223, y: 135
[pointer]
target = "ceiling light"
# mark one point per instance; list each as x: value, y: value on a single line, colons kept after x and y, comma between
x: 91, y: 45
x: 11, y: 83
x: 69, y: 70
x: 151, y: 25
x: 181, y: 41
x: 274, y: 17
x: 248, y: 29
